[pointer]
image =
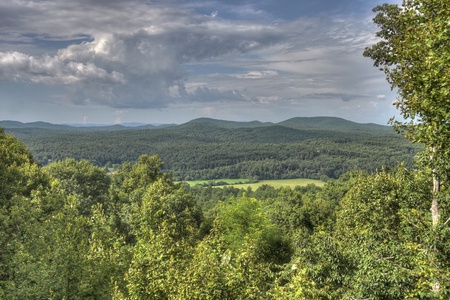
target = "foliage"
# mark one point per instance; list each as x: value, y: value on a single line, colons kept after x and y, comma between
x: 381, y: 246
x: 20, y: 177
x: 414, y: 54
x: 243, y: 222
x: 88, y: 183
x: 70, y: 230
x: 315, y: 149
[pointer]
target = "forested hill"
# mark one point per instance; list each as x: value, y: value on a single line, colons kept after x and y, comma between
x: 335, y: 124
x: 318, y: 147
x: 303, y: 123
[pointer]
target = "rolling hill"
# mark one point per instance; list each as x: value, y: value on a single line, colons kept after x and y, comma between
x: 320, y: 147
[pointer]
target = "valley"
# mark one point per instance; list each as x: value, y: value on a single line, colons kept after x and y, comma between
x: 209, y: 149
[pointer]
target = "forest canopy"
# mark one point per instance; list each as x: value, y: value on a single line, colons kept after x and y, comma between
x: 316, y: 148
x: 72, y: 231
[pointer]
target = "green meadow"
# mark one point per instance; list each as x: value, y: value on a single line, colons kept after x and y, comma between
x: 244, y: 183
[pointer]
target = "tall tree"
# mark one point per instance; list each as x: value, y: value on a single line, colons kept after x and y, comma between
x: 414, y: 53
x: 88, y: 183
x: 20, y: 177
x: 166, y: 226
x: 128, y: 186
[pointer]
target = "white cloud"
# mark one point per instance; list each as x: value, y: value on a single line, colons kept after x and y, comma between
x: 119, y: 116
x: 205, y: 94
x: 258, y: 74
x: 52, y: 70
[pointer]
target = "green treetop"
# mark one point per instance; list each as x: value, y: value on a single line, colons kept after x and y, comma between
x: 414, y: 53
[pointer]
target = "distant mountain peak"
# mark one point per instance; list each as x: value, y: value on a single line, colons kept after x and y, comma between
x: 228, y: 124
x: 330, y: 123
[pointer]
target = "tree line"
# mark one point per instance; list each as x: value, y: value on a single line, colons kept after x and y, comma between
x: 193, y: 152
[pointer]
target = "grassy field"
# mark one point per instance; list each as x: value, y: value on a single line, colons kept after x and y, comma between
x: 254, y: 186
x: 228, y: 181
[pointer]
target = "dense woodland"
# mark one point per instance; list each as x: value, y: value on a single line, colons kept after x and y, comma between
x: 316, y: 148
x: 71, y: 231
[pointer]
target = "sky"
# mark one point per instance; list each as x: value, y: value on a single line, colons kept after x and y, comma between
x: 171, y: 61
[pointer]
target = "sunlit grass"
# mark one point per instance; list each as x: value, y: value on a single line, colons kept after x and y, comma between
x: 228, y: 181
x: 282, y: 183
x: 275, y: 183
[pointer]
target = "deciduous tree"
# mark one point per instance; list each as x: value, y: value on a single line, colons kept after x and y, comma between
x: 414, y: 53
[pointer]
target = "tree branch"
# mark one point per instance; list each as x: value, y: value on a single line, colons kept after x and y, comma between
x: 446, y: 222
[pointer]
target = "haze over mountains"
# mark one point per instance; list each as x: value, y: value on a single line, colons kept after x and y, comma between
x: 307, y: 123
x: 204, y: 148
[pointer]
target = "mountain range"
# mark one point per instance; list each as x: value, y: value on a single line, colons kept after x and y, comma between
x: 204, y: 148
x: 304, y: 123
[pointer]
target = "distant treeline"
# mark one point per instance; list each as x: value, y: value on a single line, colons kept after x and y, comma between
x: 317, y: 148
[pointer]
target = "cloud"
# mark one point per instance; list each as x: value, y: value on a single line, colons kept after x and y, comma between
x: 119, y: 116
x: 258, y: 74
x: 134, y: 57
x: 205, y: 94
x: 171, y: 53
x: 343, y: 96
x: 17, y: 66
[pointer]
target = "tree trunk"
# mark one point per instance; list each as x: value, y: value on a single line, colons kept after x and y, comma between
x: 434, y: 205
x: 435, y: 211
